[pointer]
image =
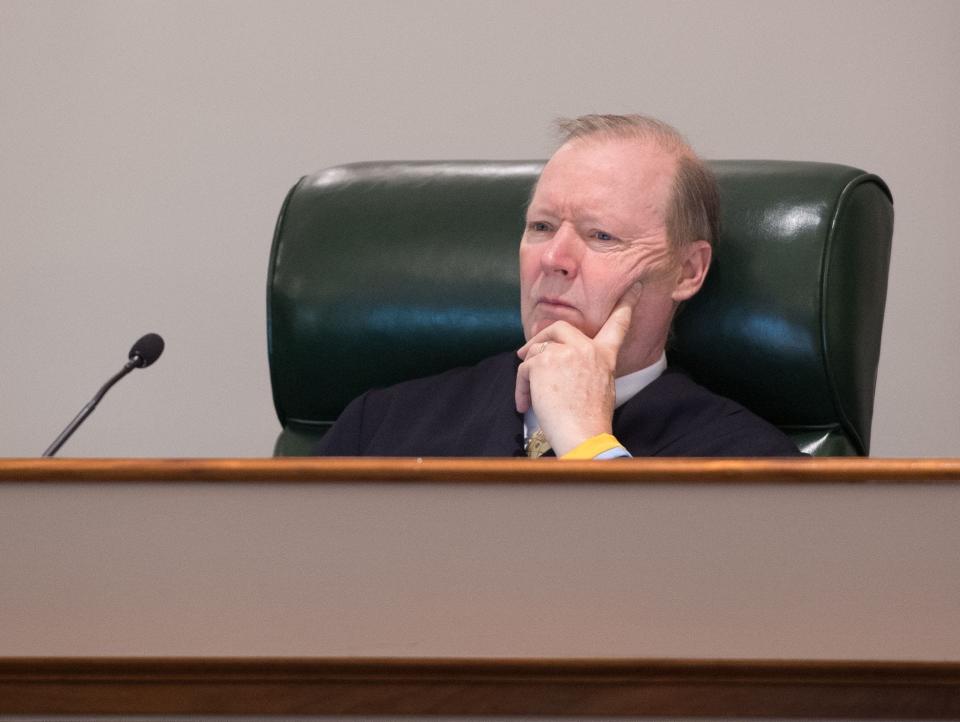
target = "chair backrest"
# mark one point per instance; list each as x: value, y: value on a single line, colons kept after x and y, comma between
x: 382, y: 272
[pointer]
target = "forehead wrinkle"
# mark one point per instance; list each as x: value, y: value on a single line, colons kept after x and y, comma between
x: 592, y: 190
x: 579, y: 206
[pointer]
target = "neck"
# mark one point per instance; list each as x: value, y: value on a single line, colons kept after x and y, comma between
x: 645, y: 342
x: 634, y: 356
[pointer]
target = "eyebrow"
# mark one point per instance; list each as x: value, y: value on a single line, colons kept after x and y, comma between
x: 582, y: 219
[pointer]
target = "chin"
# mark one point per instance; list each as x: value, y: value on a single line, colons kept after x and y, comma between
x: 542, y: 323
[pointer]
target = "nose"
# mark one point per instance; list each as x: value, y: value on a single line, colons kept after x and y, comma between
x: 562, y: 253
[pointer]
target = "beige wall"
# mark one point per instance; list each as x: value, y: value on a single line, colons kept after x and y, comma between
x: 146, y: 147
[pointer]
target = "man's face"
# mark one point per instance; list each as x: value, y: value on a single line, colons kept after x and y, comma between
x: 595, y: 225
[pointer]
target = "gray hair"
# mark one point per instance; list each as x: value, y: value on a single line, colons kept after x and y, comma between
x: 694, y: 209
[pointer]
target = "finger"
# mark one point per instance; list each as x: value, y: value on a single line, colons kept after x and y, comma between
x: 532, y: 347
x: 548, y: 334
x: 614, y: 329
x: 558, y: 331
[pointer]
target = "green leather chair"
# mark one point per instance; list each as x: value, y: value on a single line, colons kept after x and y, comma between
x: 382, y: 272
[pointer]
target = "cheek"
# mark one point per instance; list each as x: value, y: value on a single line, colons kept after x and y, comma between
x: 604, y: 289
x: 527, y: 279
x: 529, y: 268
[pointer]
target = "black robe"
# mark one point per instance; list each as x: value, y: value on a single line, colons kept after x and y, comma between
x: 471, y: 412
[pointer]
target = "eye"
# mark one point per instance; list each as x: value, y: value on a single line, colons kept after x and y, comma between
x: 603, y: 236
x: 538, y: 226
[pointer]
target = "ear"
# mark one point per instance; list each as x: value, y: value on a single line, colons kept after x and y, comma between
x: 694, y: 264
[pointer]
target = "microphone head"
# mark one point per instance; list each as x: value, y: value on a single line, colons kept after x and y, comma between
x: 146, y: 350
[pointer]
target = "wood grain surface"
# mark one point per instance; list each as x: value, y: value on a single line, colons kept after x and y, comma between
x: 484, y: 687
x: 481, y: 687
x: 672, y: 470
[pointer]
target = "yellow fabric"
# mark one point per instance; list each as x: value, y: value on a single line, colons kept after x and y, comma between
x: 593, y: 446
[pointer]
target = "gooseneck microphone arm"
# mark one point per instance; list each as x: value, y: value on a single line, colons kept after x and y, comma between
x: 87, y: 410
x: 144, y: 352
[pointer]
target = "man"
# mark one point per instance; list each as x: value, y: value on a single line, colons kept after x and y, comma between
x: 619, y: 232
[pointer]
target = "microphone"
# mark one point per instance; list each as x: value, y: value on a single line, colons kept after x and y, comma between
x: 144, y: 352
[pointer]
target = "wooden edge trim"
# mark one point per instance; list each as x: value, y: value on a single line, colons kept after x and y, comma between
x: 313, y: 470
x: 559, y: 687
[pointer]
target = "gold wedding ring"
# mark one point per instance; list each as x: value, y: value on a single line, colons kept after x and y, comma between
x: 541, y: 347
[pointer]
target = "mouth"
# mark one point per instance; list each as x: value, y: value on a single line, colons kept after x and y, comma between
x: 548, y: 309
x: 554, y: 304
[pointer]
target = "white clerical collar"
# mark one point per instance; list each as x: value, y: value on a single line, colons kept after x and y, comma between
x: 626, y: 388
